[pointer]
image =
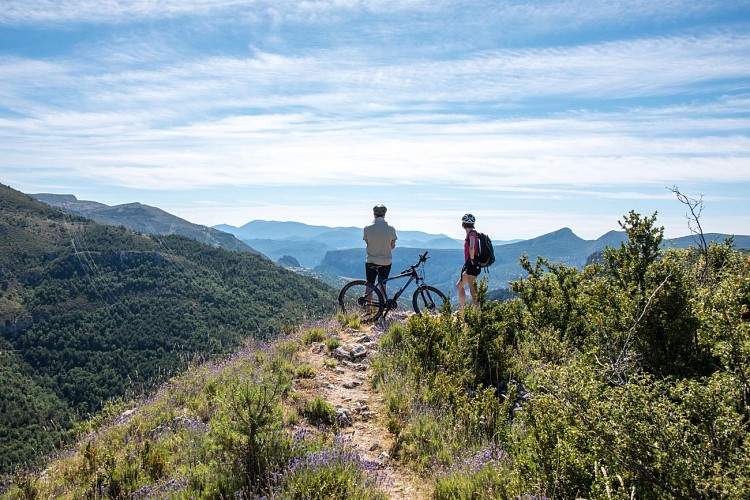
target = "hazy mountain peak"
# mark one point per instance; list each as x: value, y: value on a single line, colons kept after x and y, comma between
x: 143, y: 218
x: 50, y: 196
x: 564, y: 233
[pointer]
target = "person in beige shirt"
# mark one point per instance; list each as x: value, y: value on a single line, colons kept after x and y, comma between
x: 381, y: 239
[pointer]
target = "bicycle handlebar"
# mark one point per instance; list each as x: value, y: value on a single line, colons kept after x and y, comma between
x: 413, y: 267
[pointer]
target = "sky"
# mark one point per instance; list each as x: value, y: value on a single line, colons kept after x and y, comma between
x: 532, y: 115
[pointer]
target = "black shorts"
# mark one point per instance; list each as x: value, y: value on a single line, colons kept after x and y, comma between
x: 375, y: 271
x: 471, y: 269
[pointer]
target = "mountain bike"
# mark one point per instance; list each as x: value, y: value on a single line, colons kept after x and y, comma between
x: 369, y: 302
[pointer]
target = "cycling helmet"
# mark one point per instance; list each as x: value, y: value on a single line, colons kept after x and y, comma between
x: 468, y: 219
x: 379, y: 210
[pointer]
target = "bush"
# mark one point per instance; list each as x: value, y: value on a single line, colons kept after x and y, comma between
x: 349, y: 321
x: 631, y: 380
x: 250, y: 432
x: 335, y: 472
x: 305, y: 371
x: 313, y: 335
x: 319, y: 411
x: 332, y: 343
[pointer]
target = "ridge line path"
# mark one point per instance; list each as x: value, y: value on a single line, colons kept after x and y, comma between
x: 344, y: 379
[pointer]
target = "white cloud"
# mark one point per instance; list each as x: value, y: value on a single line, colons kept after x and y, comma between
x: 259, y: 152
x: 345, y: 83
x: 550, y: 15
x: 382, y: 93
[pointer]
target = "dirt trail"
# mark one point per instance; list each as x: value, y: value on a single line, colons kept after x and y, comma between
x: 345, y: 382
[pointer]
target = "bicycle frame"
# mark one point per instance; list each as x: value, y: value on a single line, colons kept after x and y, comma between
x: 357, y: 296
x: 411, y: 273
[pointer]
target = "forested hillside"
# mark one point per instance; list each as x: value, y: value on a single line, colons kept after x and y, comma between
x: 629, y: 378
x: 91, y: 312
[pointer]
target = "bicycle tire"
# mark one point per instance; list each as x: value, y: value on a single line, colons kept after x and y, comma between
x: 424, y: 300
x: 353, y: 299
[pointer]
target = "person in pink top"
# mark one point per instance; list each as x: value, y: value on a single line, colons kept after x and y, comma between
x: 471, y: 269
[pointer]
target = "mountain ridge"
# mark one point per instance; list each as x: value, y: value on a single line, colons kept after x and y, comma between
x: 561, y: 246
x: 145, y: 219
x: 310, y: 244
x: 91, y: 312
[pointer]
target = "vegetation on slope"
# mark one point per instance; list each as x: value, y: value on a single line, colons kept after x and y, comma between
x: 627, y: 379
x: 91, y: 312
x: 229, y: 429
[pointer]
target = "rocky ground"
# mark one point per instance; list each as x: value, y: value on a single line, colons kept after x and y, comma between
x: 344, y: 380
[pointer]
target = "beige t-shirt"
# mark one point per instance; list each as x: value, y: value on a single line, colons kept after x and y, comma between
x: 379, y: 236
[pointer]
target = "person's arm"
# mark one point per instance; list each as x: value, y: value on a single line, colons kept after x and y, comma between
x: 472, y: 246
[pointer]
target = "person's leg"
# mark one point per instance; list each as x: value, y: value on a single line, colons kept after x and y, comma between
x: 371, y: 274
x: 461, y: 291
x: 383, y: 273
x: 472, y: 281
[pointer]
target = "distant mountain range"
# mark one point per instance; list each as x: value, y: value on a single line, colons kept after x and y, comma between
x: 309, y: 244
x: 144, y: 219
x: 561, y: 246
x: 339, y: 251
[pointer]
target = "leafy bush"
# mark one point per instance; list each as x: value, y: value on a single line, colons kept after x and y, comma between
x: 349, y: 321
x: 630, y: 377
x: 335, y: 472
x: 313, y: 335
x: 319, y: 411
x: 332, y: 343
x: 305, y: 371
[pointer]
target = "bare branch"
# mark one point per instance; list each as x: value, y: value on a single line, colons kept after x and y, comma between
x: 617, y: 367
x: 695, y: 206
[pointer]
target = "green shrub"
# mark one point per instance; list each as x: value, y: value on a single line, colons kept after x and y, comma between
x: 657, y: 437
x: 249, y: 435
x: 319, y: 411
x: 332, y: 343
x: 336, y: 472
x: 305, y: 371
x: 292, y: 417
x: 349, y: 321
x: 313, y: 335
x: 637, y: 371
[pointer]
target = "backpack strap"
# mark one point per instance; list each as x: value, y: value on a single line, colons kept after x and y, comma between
x: 478, y: 247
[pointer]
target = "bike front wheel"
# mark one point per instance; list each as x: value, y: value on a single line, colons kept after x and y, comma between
x: 361, y: 299
x: 428, y: 300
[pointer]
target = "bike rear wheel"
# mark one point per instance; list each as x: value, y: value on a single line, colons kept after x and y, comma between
x: 361, y: 299
x: 428, y: 300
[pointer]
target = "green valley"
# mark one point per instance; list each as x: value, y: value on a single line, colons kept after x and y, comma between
x: 625, y: 379
x: 90, y: 312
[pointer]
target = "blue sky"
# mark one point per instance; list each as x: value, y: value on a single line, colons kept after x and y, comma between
x: 531, y: 115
